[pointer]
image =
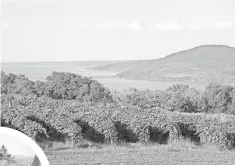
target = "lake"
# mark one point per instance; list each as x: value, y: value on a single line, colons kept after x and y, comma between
x: 40, y: 70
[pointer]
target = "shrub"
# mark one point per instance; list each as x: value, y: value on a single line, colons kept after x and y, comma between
x: 217, y: 132
x: 182, y: 98
x: 58, y: 85
x: 217, y: 99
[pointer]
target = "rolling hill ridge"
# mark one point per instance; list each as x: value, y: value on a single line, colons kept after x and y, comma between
x: 202, y: 63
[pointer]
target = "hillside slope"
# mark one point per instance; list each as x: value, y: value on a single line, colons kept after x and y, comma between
x: 121, y: 67
x: 207, y: 63
x: 203, y: 63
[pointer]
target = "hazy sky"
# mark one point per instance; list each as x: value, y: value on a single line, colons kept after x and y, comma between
x: 15, y: 146
x: 66, y: 30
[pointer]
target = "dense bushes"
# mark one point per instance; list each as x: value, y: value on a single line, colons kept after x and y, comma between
x: 178, y: 97
x: 218, y: 99
x: 182, y: 98
x: 110, y: 123
x: 219, y: 131
x: 35, y: 119
x: 65, y: 86
x: 68, y: 106
x: 143, y: 99
x: 70, y: 86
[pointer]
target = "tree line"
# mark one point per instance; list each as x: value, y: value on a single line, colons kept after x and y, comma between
x: 68, y: 86
x: 58, y: 85
x: 183, y: 98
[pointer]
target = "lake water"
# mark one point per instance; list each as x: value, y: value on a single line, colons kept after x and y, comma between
x: 39, y: 71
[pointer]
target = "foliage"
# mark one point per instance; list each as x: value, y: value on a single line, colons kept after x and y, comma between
x: 17, y: 84
x: 4, y: 155
x: 178, y: 97
x: 218, y: 99
x: 144, y: 99
x: 68, y: 106
x: 182, y: 98
x: 231, y: 109
x: 70, y: 86
x: 32, y: 117
x: 216, y: 132
x: 59, y: 85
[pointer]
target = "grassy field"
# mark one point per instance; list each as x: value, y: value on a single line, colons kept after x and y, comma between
x: 140, y: 154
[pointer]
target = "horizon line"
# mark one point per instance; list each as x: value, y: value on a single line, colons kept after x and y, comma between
x: 218, y: 45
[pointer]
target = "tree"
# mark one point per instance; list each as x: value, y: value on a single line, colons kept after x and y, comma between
x: 39, y: 87
x: 231, y: 109
x: 16, y: 84
x: 7, y: 82
x: 68, y: 86
x: 182, y: 98
x: 24, y: 85
x: 4, y: 155
x: 217, y: 98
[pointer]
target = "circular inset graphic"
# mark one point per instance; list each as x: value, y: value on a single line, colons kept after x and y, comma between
x: 17, y: 149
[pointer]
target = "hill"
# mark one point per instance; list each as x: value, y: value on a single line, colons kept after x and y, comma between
x: 203, y: 63
x: 120, y: 67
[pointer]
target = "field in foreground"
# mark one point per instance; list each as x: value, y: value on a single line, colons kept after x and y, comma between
x: 137, y: 154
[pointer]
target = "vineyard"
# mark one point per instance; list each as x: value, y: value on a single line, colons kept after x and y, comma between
x: 44, y: 118
x: 47, y: 118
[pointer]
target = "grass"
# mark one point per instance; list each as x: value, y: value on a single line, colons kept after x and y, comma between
x: 184, y: 152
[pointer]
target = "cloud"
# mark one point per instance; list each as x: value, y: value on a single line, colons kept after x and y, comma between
x: 119, y: 25
x: 5, y: 24
x: 223, y: 24
x: 171, y: 25
x: 174, y: 25
x: 135, y: 25
x: 216, y: 25
x: 108, y: 25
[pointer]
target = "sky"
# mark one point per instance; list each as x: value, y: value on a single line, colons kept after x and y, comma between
x: 82, y: 30
x: 15, y: 146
